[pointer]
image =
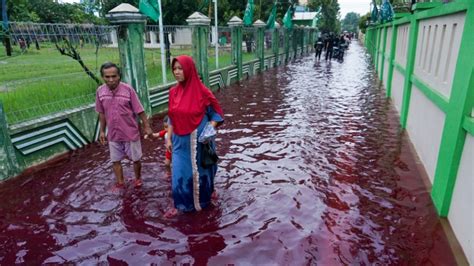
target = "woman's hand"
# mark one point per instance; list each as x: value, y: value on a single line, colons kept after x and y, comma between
x: 213, y: 124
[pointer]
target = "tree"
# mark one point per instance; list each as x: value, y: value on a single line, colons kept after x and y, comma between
x: 21, y: 10
x: 328, y: 20
x: 175, y: 12
x: 350, y: 22
x: 4, y: 33
x: 49, y: 11
x: 107, y: 5
x: 314, y: 4
x: 363, y: 22
x: 68, y: 49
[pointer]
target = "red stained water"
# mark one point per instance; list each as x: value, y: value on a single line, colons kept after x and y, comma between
x: 313, y: 170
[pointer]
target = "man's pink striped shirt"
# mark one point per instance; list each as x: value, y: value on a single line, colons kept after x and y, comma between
x: 120, y: 108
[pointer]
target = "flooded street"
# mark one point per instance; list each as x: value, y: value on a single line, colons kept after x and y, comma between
x: 313, y: 169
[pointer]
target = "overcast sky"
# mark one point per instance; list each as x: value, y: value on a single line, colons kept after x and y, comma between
x: 357, y: 6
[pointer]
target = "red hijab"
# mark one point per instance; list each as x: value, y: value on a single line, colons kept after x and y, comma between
x: 189, y: 99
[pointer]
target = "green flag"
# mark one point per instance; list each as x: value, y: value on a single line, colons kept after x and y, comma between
x: 248, y: 16
x: 271, y: 18
x: 204, y: 5
x: 150, y: 8
x: 288, y: 18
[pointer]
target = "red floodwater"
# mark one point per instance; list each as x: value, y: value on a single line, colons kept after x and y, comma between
x: 313, y: 170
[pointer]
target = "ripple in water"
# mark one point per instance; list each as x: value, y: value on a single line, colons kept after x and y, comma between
x: 313, y: 169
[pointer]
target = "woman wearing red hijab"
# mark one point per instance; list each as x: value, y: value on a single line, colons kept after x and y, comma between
x: 191, y: 107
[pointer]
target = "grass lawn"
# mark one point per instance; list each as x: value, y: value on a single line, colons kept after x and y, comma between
x: 41, y: 82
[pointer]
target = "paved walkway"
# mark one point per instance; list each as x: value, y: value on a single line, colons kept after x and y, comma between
x: 313, y: 170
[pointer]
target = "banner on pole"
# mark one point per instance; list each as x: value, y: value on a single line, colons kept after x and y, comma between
x: 288, y: 18
x: 272, y: 17
x: 248, y: 16
x: 150, y: 9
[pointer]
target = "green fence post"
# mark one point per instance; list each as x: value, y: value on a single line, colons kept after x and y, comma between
x: 9, y: 165
x: 301, y: 39
x: 286, y: 44
x: 200, y: 25
x: 366, y: 37
x: 372, y: 43
x: 294, y: 40
x: 368, y: 40
x: 236, y: 24
x: 412, y: 41
x: 132, y: 54
x: 377, y: 48
x: 461, y: 104
x: 310, y: 41
x: 384, y: 44
x: 260, y: 25
x: 276, y: 43
x: 304, y: 40
x: 391, y: 60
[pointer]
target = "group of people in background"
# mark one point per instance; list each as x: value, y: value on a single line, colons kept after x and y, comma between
x: 334, y: 46
x: 191, y: 108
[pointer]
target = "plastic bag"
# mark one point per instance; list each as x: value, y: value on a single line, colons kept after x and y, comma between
x: 208, y: 133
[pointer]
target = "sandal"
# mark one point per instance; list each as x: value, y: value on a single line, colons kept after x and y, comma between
x: 138, y: 183
x: 170, y: 213
x: 118, y: 187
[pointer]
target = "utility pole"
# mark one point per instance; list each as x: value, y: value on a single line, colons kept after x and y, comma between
x: 216, y: 34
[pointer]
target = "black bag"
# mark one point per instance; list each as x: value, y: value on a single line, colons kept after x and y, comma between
x: 208, y: 156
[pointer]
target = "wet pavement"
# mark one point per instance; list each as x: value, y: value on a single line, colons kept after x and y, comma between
x: 313, y: 170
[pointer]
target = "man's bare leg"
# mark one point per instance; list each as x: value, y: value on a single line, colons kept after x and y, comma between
x: 118, y: 171
x: 137, y: 168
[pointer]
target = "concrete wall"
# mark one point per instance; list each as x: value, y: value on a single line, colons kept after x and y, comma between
x: 437, y: 52
x: 461, y: 215
x: 431, y: 82
x: 397, y: 89
x: 425, y: 126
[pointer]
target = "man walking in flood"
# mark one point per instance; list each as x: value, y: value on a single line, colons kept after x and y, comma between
x: 318, y: 47
x: 328, y: 46
x: 118, y: 106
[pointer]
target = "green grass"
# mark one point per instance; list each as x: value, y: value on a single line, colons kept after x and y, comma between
x: 41, y: 82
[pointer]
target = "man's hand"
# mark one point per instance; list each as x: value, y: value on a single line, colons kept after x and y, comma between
x: 168, y: 144
x: 148, y: 131
x: 102, y: 138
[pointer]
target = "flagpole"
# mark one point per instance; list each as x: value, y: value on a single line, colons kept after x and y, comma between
x: 216, y: 34
x: 162, y: 44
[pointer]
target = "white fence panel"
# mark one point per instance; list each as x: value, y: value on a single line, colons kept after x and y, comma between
x: 437, y: 51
